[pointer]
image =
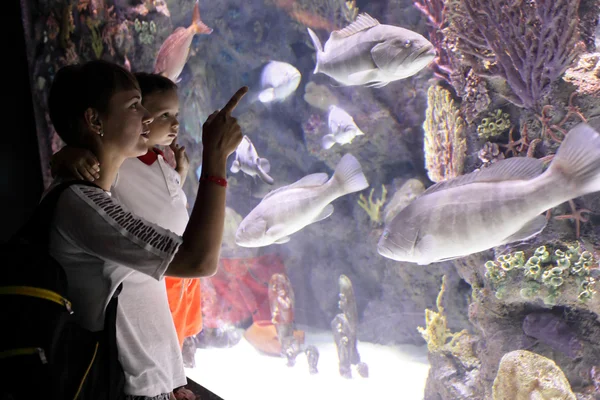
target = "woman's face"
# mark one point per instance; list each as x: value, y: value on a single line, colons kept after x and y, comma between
x: 125, y: 124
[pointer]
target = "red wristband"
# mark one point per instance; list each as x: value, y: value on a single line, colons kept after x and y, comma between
x: 215, y: 179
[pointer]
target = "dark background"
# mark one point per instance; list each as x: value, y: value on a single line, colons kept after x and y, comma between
x: 21, y: 182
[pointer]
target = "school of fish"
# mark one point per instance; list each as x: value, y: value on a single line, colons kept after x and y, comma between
x: 500, y: 204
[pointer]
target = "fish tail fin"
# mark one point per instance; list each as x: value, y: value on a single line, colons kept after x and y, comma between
x: 264, y: 176
x: 348, y: 175
x: 578, y: 160
x: 267, y: 95
x: 197, y: 24
x: 235, y: 167
x: 264, y: 164
x: 318, y: 47
x: 328, y: 141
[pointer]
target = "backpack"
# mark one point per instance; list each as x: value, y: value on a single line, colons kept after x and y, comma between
x: 44, y: 354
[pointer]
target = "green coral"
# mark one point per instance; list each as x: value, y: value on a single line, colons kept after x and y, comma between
x: 546, y: 274
x: 493, y: 125
x: 373, y: 208
x: 445, y: 143
x: 145, y: 31
x: 67, y: 26
x: 97, y: 44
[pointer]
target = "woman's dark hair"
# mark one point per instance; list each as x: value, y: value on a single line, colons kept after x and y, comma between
x: 151, y: 83
x: 76, y: 88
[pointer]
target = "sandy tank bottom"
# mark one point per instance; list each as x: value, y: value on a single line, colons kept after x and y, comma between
x: 241, y: 372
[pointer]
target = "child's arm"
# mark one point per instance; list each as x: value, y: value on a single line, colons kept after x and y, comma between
x: 181, y: 158
x: 80, y: 163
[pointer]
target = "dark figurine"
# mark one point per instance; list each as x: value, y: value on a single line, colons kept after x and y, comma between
x: 347, y: 305
x: 341, y: 335
x: 363, y: 369
x: 312, y: 356
x: 189, y: 352
x: 281, y: 302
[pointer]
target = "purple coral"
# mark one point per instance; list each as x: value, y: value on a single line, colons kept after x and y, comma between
x: 434, y: 11
x: 529, y: 43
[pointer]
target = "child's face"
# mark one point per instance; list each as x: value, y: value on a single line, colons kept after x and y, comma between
x: 164, y: 108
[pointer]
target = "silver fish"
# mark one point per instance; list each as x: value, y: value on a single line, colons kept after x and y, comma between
x: 248, y: 161
x: 500, y: 204
x: 278, y: 80
x: 289, y: 209
x: 342, y: 128
x: 173, y: 53
x: 369, y: 53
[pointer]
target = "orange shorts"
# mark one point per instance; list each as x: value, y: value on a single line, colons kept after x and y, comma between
x: 186, y: 306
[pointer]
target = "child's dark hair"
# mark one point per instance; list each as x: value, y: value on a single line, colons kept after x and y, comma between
x: 76, y: 88
x: 151, y: 83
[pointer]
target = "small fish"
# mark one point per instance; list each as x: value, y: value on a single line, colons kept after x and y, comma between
x: 248, y: 161
x: 500, y: 204
x: 341, y: 127
x: 278, y: 80
x: 369, y: 53
x: 287, y: 210
x: 174, y: 52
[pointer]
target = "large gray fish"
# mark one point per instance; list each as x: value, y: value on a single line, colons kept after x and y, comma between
x: 286, y: 210
x: 369, y: 53
x: 497, y: 205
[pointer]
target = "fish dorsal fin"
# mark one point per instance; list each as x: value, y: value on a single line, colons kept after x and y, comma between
x: 363, y: 22
x: 311, y: 180
x: 511, y: 169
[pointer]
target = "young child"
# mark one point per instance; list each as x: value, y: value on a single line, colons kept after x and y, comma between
x: 152, y: 189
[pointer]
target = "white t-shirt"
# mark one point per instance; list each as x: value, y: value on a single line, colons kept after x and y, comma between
x: 150, y: 188
x: 101, y: 244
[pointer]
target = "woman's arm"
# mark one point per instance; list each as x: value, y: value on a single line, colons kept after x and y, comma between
x: 198, y: 255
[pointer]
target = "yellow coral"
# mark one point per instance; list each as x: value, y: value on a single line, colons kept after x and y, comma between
x: 436, y: 332
x: 494, y: 124
x: 373, y: 208
x: 445, y: 137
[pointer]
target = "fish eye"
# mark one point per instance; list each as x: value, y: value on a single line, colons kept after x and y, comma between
x: 407, y: 43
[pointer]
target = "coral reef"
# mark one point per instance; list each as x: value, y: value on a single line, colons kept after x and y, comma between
x: 373, y: 208
x: 527, y: 44
x: 585, y: 75
x: 493, y: 125
x: 524, y: 375
x: 145, y: 31
x: 553, y: 274
x: 445, y: 139
x: 436, y: 332
x: 434, y: 11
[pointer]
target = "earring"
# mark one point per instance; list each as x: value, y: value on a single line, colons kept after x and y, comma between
x: 101, y: 132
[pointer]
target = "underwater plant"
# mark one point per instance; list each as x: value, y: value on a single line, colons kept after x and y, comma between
x: 373, y: 208
x: 529, y: 44
x: 436, y: 332
x: 445, y: 137
x: 549, y: 273
x: 434, y: 11
x: 97, y: 43
x: 145, y: 30
x: 493, y: 125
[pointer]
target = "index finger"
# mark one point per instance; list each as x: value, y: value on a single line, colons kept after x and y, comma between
x: 234, y: 101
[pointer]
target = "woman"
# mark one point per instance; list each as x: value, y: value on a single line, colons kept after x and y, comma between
x: 100, y: 243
